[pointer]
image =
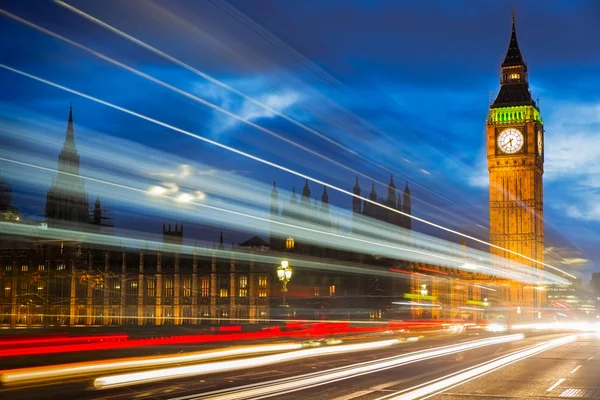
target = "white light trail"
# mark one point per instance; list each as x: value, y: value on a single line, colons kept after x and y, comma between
x: 485, y: 288
x: 54, y: 372
x: 274, y: 165
x: 210, y: 368
x: 284, y: 386
x: 427, y: 390
x: 307, y: 233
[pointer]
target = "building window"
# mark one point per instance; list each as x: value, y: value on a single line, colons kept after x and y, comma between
x: 223, y: 286
x: 41, y: 267
x: 515, y: 76
x: 187, y: 286
x: 205, y: 286
x: 7, y: 289
x: 8, y: 268
x: 316, y: 290
x: 169, y: 286
x: 60, y: 267
x: 289, y: 243
x: 331, y: 290
x: 151, y: 288
x: 243, y: 285
x: 262, y: 286
x: 132, y: 289
x: 24, y: 268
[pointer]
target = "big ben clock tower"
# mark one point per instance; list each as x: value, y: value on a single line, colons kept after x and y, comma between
x: 515, y: 153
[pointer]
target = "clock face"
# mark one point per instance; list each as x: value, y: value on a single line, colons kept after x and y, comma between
x: 540, y: 143
x: 510, y: 140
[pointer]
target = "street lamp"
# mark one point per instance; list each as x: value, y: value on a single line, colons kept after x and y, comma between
x: 284, y: 274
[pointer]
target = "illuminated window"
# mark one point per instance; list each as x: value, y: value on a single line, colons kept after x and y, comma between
x: 169, y: 287
x: 223, y: 286
x: 24, y: 268
x: 243, y: 285
x: 7, y: 288
x: 8, y: 268
x: 41, y: 267
x: 60, y: 267
x: 205, y: 286
x: 331, y: 290
x: 151, y: 289
x: 289, y: 243
x: 515, y: 76
x: 262, y: 281
x: 187, y: 286
x: 262, y: 286
x: 316, y: 290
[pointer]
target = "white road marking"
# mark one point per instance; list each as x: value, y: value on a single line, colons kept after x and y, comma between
x: 575, y: 369
x: 558, y: 382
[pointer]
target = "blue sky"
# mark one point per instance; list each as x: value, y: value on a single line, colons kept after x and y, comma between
x: 403, y: 85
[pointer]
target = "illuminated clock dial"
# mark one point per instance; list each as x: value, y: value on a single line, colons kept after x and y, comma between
x: 540, y: 143
x: 510, y: 140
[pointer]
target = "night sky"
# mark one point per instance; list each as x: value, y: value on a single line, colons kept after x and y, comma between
x: 403, y: 87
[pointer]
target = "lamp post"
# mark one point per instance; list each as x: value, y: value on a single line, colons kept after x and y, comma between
x: 284, y: 274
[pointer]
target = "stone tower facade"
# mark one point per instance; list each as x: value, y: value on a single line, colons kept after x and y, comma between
x: 515, y: 153
x: 67, y: 197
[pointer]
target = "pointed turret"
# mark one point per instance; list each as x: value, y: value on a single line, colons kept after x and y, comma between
x: 407, y: 207
x: 373, y: 194
x: 97, y: 218
x: 324, y: 196
x: 324, y: 210
x: 70, y: 131
x: 391, y: 200
x: 67, y: 199
x: 356, y: 202
x: 305, y: 195
x: 294, y: 198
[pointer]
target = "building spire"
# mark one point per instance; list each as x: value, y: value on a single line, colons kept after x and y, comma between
x: 70, y: 131
x: 513, y: 54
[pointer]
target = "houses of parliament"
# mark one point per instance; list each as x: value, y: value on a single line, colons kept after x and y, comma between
x: 56, y: 282
x: 71, y: 283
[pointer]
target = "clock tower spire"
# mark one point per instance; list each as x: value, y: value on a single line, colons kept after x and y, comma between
x: 515, y: 137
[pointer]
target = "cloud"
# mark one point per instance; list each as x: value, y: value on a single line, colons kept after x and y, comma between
x: 278, y: 100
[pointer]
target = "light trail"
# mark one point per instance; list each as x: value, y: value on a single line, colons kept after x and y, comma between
x: 247, y: 189
x: 272, y: 164
x: 408, y: 253
x: 209, y: 368
x: 205, y: 102
x: 243, y: 95
x: 284, y: 386
x: 441, y: 385
x: 54, y: 372
x: 216, y: 82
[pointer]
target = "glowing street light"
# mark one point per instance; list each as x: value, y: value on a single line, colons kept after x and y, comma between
x: 284, y: 274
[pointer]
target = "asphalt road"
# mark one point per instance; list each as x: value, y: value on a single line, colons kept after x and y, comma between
x: 299, y: 379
